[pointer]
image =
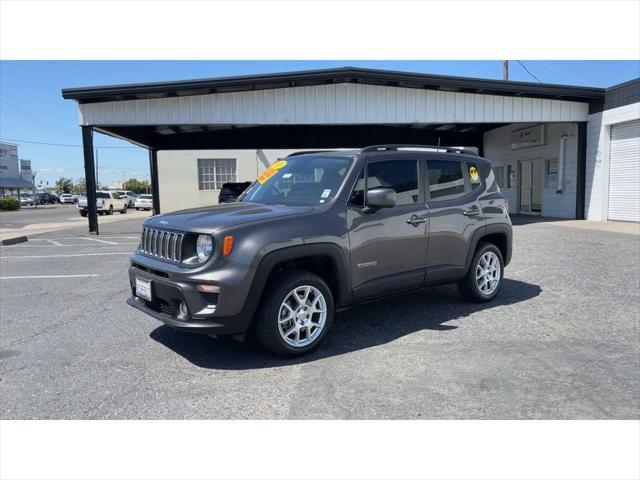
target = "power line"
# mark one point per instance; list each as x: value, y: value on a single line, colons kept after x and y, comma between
x: 52, y: 144
x: 522, y: 65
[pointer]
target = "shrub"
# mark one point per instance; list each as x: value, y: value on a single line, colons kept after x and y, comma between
x: 9, y: 203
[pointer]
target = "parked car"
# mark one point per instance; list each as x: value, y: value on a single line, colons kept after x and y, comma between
x: 68, y: 198
x: 129, y: 196
x: 320, y: 232
x: 144, y: 202
x: 26, y: 200
x: 107, y: 202
x: 231, y: 191
x: 45, y: 198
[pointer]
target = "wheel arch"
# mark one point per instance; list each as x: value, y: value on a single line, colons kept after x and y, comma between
x: 324, y: 259
x: 499, y: 234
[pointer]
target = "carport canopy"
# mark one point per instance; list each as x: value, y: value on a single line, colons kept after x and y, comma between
x: 331, y: 108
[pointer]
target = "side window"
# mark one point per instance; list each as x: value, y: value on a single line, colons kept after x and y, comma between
x: 498, y: 172
x: 446, y: 180
x: 474, y: 175
x: 400, y: 175
x: 115, y: 195
x: 357, y: 196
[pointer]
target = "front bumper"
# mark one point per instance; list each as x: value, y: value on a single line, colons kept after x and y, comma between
x: 208, y: 313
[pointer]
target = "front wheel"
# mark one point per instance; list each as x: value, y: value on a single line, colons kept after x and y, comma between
x: 295, y: 316
x: 83, y: 213
x: 486, y: 272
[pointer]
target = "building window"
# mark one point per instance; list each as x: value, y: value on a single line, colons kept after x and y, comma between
x: 446, y: 180
x: 213, y: 172
x: 498, y: 172
x: 551, y: 173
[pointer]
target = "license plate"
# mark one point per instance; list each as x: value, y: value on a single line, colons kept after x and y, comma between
x: 143, y: 288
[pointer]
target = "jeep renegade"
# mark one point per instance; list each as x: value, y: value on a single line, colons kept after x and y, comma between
x: 318, y: 232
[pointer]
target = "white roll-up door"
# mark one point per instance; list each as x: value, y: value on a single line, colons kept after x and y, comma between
x: 624, y: 172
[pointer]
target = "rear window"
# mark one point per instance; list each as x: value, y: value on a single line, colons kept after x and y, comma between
x: 145, y: 197
x: 102, y: 195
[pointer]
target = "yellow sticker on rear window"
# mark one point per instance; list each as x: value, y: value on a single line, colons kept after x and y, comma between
x: 473, y: 173
x: 271, y: 171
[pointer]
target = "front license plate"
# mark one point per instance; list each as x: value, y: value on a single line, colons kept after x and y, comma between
x: 143, y: 288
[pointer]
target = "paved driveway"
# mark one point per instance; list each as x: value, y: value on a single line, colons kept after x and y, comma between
x: 562, y: 341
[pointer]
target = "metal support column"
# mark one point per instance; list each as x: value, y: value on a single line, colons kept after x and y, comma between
x: 581, y: 180
x: 155, y: 188
x: 90, y: 179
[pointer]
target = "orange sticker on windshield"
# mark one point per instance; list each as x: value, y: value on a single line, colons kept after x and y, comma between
x: 271, y: 171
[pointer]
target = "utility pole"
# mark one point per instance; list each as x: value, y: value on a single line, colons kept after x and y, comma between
x: 97, y: 172
x: 505, y: 70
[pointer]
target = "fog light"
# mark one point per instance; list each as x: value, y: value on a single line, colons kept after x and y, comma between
x: 203, y: 287
x: 184, y: 313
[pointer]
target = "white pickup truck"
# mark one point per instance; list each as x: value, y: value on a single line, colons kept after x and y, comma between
x: 106, y: 201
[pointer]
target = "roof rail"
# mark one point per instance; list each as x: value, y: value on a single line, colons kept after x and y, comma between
x: 303, y: 152
x: 382, y: 148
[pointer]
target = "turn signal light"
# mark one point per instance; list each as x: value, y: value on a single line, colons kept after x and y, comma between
x: 227, y: 245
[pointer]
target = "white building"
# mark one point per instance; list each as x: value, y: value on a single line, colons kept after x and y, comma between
x: 11, y: 181
x: 558, y: 151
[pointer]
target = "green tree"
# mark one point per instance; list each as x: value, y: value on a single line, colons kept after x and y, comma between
x: 137, y: 186
x: 80, y: 186
x: 64, y: 185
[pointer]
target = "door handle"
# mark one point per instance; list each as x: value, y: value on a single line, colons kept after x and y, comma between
x: 471, y: 212
x: 415, y: 220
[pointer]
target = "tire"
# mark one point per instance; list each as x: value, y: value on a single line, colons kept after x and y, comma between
x: 124, y: 210
x: 483, y: 289
x: 110, y: 212
x: 83, y: 214
x: 268, y: 328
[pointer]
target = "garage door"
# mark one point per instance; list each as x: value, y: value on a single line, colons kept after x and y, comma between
x: 624, y: 172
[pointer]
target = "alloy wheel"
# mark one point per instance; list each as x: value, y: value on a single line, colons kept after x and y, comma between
x: 302, y: 316
x: 488, y: 273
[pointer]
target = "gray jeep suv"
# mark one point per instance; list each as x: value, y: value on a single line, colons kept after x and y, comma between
x: 318, y: 232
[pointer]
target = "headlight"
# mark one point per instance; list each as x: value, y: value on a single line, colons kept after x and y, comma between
x: 204, y: 247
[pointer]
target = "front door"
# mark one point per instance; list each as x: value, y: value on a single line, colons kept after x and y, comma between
x: 531, y: 179
x: 388, y: 246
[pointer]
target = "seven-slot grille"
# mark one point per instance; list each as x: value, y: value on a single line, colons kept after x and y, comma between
x: 162, y: 243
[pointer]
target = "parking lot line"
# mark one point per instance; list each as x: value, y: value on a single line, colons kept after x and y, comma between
x: 53, y: 242
x: 48, y: 276
x: 101, y: 241
x: 75, y: 245
x: 67, y: 255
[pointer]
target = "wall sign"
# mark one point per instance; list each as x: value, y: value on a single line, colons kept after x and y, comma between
x: 527, y: 137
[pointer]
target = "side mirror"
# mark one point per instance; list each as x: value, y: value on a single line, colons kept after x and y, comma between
x: 380, y: 198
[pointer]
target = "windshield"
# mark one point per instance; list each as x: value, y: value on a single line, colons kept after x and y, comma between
x: 301, y: 180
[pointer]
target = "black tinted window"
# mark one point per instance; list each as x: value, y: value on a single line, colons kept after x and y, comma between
x: 102, y: 195
x: 446, y: 180
x: 400, y: 175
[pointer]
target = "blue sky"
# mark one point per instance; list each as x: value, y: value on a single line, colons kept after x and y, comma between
x: 32, y: 109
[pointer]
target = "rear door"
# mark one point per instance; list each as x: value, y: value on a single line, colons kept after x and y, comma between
x: 453, y: 188
x: 388, y: 246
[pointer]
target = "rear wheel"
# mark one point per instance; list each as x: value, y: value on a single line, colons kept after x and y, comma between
x: 83, y: 213
x: 110, y: 212
x: 124, y: 210
x: 484, y: 278
x: 295, y: 316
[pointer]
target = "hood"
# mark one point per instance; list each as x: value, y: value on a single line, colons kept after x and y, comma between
x: 215, y: 217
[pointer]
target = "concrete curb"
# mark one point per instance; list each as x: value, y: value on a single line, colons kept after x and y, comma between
x: 14, y: 240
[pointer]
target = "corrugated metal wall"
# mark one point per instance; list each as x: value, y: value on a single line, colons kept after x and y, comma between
x: 332, y: 104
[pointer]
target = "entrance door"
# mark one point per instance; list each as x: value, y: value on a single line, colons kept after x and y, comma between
x: 624, y: 172
x: 531, y: 181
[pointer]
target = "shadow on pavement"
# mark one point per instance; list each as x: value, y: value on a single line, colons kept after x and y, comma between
x: 361, y: 327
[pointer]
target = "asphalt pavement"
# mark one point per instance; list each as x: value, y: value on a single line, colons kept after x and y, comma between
x: 562, y: 341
